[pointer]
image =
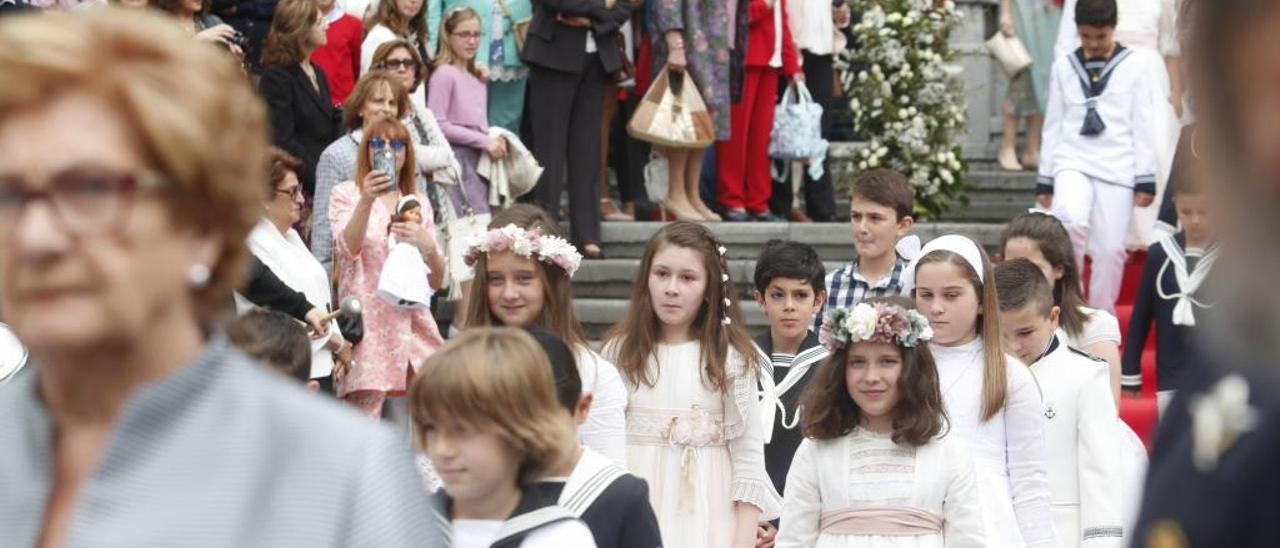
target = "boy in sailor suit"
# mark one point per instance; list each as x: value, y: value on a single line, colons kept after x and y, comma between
x: 1097, y: 159
x: 613, y: 503
x: 790, y: 289
x: 1082, y: 431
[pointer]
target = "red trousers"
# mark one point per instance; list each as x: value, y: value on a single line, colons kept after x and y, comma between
x: 743, y: 160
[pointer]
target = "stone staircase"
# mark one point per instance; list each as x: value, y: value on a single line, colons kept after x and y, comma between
x: 602, y: 289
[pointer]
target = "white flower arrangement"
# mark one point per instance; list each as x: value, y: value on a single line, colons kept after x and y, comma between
x: 905, y: 97
x: 877, y: 323
x: 530, y: 244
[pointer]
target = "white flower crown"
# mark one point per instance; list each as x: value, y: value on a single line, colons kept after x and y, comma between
x: 530, y: 244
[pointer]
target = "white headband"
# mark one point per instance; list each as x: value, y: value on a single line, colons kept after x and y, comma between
x: 955, y: 243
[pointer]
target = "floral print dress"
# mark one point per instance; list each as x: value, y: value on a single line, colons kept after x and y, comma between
x: 395, y: 339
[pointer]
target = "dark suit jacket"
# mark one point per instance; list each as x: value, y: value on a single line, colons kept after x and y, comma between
x: 622, y: 516
x: 557, y: 46
x: 303, y: 122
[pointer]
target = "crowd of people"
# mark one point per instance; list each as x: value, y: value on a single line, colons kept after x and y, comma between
x: 225, y: 275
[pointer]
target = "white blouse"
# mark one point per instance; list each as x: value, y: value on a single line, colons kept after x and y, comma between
x: 605, y: 430
x: 867, y: 469
x: 291, y: 261
x: 1100, y: 326
x: 1008, y: 449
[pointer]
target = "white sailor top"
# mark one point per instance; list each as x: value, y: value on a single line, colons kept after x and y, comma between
x: 1099, y: 125
x: 1083, y: 440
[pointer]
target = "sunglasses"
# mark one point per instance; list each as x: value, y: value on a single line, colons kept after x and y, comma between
x: 405, y: 64
x: 378, y: 143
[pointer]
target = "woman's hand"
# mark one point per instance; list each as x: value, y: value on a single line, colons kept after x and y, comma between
x: 315, y: 322
x: 577, y: 21
x: 497, y: 148
x: 375, y: 183
x: 220, y: 34
x: 675, y: 51
x: 415, y: 234
x: 1006, y: 23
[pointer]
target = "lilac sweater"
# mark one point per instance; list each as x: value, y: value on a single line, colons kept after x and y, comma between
x: 459, y: 101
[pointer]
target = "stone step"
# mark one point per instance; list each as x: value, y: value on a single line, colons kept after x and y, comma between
x: 994, y: 195
x: 614, y: 278
x: 598, y: 315
x: 626, y: 240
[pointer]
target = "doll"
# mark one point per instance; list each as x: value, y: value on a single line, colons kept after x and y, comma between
x: 404, y: 279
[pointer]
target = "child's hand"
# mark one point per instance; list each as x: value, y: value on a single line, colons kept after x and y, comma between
x: 766, y: 534
x: 1143, y: 199
x: 1045, y: 200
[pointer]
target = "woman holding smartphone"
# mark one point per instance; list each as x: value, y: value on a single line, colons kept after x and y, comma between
x: 396, y: 340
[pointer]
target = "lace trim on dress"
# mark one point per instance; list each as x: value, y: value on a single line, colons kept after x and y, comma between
x: 758, y: 494
x: 504, y: 73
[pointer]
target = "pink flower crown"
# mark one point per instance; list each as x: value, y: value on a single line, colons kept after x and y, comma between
x: 530, y: 244
x: 878, y: 323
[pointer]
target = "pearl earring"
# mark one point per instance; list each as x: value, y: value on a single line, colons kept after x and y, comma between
x: 198, y: 275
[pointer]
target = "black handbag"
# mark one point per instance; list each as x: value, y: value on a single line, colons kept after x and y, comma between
x: 351, y: 327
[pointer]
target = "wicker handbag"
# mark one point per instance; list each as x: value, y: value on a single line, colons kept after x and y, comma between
x: 672, y: 114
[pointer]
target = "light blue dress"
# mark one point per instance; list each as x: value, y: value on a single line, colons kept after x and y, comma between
x: 1036, y: 24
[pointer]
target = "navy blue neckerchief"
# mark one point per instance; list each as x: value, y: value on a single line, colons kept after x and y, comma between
x: 1094, y: 75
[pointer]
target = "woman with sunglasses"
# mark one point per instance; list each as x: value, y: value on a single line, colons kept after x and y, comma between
x: 396, y: 340
x: 279, y: 247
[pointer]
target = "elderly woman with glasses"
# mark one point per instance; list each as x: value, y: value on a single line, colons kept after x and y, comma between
x: 275, y: 242
x: 132, y: 172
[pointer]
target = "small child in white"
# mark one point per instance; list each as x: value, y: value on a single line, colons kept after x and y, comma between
x: 1088, y: 458
x: 404, y: 278
x: 879, y: 468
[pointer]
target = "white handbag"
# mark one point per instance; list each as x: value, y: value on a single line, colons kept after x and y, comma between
x: 656, y: 177
x: 1010, y: 53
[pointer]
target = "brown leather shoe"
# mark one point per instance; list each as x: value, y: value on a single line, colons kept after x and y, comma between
x: 797, y: 216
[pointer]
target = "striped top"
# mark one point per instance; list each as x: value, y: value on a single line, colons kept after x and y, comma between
x: 222, y: 452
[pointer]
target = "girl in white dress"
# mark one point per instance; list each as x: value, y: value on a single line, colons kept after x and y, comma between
x: 991, y: 400
x: 524, y: 285
x: 879, y: 469
x: 1040, y: 238
x: 695, y: 432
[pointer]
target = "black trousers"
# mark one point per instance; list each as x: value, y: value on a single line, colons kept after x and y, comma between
x: 564, y: 113
x: 628, y: 155
x: 819, y: 197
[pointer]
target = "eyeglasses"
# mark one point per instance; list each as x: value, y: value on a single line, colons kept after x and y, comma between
x: 468, y: 35
x: 405, y: 64
x: 293, y: 193
x: 86, y: 199
x: 378, y: 143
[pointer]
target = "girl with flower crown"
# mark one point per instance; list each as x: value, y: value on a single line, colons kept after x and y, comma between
x: 879, y: 467
x: 695, y: 430
x: 992, y: 401
x: 523, y: 270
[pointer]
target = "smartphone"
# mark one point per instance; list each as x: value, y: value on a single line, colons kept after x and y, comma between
x: 385, y: 161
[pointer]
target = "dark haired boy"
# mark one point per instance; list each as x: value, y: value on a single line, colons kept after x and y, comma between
x: 1172, y: 295
x: 613, y: 503
x: 1082, y: 431
x: 881, y: 203
x: 788, y: 286
x: 1097, y: 156
x: 278, y: 340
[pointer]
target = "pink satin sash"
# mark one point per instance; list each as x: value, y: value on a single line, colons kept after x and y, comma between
x: 892, y: 521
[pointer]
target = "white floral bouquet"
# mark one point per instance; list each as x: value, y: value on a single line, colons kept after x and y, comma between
x: 878, y: 323
x: 905, y: 99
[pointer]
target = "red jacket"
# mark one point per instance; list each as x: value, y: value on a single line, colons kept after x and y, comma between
x: 340, y: 56
x: 760, y: 39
